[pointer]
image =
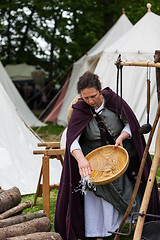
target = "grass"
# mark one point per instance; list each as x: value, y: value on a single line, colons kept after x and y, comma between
x: 53, y: 133
x: 39, y: 205
x: 53, y: 197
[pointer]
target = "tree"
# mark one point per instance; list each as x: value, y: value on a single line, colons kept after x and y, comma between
x: 69, y: 28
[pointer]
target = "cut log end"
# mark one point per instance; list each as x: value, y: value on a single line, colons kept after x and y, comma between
x: 9, y: 199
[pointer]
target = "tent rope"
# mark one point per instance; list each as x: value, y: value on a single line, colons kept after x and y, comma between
x: 33, y: 132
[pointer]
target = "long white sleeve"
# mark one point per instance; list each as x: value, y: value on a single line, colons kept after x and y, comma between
x: 75, y: 144
x: 127, y: 129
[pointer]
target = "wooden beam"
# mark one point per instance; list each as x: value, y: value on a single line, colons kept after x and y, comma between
x: 46, y: 197
x: 55, y: 152
x: 50, y: 152
x: 140, y: 64
x: 49, y: 144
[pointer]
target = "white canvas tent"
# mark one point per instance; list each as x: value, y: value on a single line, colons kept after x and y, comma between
x: 138, y: 44
x: 90, y: 61
x: 20, y: 71
x: 17, y: 100
x: 18, y: 165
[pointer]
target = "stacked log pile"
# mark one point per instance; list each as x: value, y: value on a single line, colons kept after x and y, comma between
x: 14, y: 225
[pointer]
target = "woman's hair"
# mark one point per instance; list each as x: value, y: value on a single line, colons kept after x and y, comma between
x: 88, y: 80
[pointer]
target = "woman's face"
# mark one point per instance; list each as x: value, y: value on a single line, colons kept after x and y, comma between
x: 92, y: 97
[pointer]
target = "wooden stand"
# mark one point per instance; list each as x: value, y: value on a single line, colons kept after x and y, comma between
x: 155, y: 162
x: 52, y: 151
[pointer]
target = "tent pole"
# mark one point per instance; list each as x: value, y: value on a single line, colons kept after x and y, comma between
x: 148, y: 190
x: 140, y: 64
x: 157, y: 60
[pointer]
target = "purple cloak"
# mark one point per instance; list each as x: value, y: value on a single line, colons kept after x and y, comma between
x: 69, y: 215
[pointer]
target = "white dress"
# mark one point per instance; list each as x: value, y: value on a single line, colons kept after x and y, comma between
x: 100, y: 216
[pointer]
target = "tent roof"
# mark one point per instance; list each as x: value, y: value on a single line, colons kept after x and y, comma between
x: 117, y: 31
x: 20, y: 71
x: 114, y: 33
x: 17, y: 100
x: 142, y: 38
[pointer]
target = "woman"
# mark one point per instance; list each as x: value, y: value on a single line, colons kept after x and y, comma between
x: 100, y: 211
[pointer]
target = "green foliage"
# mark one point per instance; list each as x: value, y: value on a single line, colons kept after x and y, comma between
x: 137, y: 9
x: 69, y: 29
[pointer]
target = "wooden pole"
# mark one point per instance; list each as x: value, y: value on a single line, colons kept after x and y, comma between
x: 140, y: 64
x: 49, y: 144
x: 46, y: 196
x: 148, y: 190
x: 156, y: 60
x: 50, y: 152
x: 138, y: 180
x: 38, y: 187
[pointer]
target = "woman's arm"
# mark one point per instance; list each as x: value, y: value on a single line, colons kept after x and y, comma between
x: 126, y: 133
x: 121, y: 138
x: 83, y: 164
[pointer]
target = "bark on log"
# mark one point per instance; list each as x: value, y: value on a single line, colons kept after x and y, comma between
x: 9, y: 198
x: 38, y: 236
x: 15, y: 210
x: 36, y: 225
x: 21, y: 218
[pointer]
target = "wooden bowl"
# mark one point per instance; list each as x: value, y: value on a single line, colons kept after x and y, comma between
x: 107, y: 164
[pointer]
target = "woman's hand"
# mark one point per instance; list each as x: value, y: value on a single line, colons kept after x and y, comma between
x: 83, y: 164
x: 121, y: 138
x: 84, y: 167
